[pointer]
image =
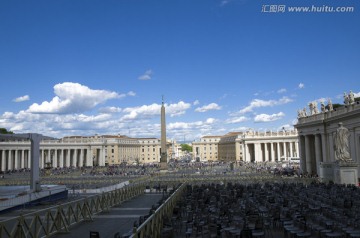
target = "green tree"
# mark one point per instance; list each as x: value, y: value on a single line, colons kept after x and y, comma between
x: 336, y: 105
x: 186, y: 147
x: 4, y: 131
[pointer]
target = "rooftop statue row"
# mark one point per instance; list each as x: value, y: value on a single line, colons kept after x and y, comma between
x: 313, y: 109
x: 349, y: 98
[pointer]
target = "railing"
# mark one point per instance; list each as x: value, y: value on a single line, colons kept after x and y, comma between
x: 242, y: 178
x: 25, y: 197
x: 50, y: 221
x: 329, y: 114
x: 153, y: 225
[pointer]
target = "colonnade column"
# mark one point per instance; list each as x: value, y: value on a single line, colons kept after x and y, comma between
x: 89, y: 157
x: 352, y: 144
x: 324, y: 149
x: 258, y: 155
x: 308, y: 155
x: 297, y: 148
x: 42, y: 159
x: 29, y: 159
x: 74, y: 161
x: 272, y: 152
x: 102, y: 157
x: 61, y: 158
x: 266, y: 151
x: 10, y: 160
x: 331, y: 148
x: 67, y: 162
x: 81, y: 158
x: 318, y: 153
x: 285, y: 151
x: 16, y: 161
x: 3, y: 161
x: 291, y: 149
x: 55, y: 159
x: 22, y: 160
x: 278, y: 151
x: 302, y: 154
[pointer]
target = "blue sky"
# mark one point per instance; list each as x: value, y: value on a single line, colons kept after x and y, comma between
x: 85, y: 67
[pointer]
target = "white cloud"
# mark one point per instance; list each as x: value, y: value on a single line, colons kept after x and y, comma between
x: 73, y: 98
x: 256, y: 103
x: 146, y: 76
x: 242, y: 128
x: 190, y: 125
x: 285, y: 127
x: 236, y: 120
x: 22, y: 98
x: 110, y: 109
x: 268, y: 118
x: 282, y: 90
x: 301, y: 86
x: 211, y: 106
x: 148, y: 111
x: 224, y: 2
x: 320, y: 100
x: 131, y: 93
x: 224, y: 96
x: 210, y: 120
x: 196, y: 102
x: 178, y: 125
x: 357, y: 94
x: 177, y: 109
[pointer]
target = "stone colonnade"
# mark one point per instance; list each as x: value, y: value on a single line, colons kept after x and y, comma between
x: 312, y: 151
x: 52, y: 157
x: 270, y: 151
x: 316, y: 137
x: 318, y: 148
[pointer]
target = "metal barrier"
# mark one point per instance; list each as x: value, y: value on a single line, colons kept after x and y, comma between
x: 153, y: 225
x: 240, y: 178
x: 47, y: 222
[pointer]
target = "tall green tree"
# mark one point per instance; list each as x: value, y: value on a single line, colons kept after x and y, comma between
x: 186, y: 147
x: 4, y: 131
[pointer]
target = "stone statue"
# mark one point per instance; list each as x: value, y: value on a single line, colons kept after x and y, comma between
x: 316, y: 111
x: 346, y: 99
x: 330, y: 105
x: 323, y: 107
x: 341, y: 144
x: 299, y: 112
x: 311, y: 108
x: 304, y: 113
x: 351, y: 97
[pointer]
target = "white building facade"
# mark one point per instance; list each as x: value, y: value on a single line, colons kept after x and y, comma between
x: 249, y: 146
x: 316, y: 135
x: 75, y: 151
x: 269, y: 146
x: 206, y: 149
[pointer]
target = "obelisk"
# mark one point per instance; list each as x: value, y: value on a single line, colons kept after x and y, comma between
x: 163, y: 158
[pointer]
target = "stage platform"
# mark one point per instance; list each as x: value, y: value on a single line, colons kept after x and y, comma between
x: 14, y: 197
